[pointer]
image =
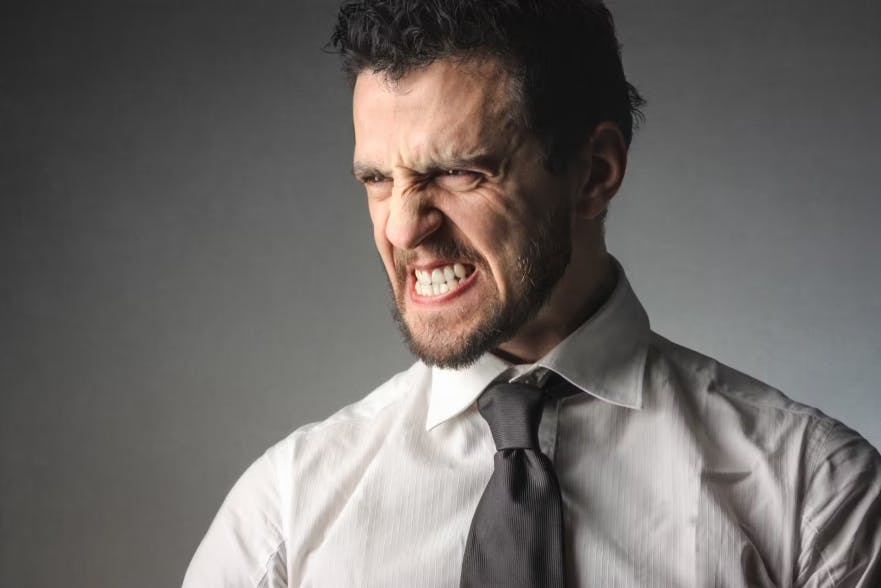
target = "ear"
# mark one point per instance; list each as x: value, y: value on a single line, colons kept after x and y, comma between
x: 606, y: 158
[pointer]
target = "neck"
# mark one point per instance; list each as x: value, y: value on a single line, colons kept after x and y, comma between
x: 584, y: 288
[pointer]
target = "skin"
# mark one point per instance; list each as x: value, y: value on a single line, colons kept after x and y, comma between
x: 452, y: 176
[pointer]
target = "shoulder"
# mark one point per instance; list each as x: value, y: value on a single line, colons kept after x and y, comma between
x: 733, y: 408
x: 246, y: 542
x: 397, y: 398
x: 713, y: 381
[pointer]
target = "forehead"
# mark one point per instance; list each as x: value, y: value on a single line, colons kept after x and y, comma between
x: 446, y: 109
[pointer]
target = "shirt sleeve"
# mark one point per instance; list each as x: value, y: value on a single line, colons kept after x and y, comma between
x: 244, y: 546
x: 841, y: 523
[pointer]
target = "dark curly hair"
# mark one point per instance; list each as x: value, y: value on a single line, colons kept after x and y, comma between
x: 563, y: 53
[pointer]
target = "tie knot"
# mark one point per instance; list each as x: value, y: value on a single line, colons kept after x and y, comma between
x: 513, y: 412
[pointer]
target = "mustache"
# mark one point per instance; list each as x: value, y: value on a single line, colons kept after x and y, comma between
x: 449, y: 249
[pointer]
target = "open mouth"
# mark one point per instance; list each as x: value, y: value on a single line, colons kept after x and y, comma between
x: 441, y: 279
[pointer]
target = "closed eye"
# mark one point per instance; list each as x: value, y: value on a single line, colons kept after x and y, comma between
x: 458, y: 180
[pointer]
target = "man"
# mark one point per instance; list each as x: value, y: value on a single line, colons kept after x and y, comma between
x: 546, y: 437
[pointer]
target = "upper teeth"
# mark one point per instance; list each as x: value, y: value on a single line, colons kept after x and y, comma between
x: 440, y: 280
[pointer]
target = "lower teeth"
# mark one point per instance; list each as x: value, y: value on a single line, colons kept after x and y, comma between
x: 436, y: 289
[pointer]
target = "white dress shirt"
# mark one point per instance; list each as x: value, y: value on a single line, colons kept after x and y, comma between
x: 675, y: 470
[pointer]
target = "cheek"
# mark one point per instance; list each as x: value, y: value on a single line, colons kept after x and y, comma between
x: 498, y: 223
x: 491, y: 226
x: 379, y: 217
x: 484, y: 214
x: 378, y: 214
x: 504, y: 225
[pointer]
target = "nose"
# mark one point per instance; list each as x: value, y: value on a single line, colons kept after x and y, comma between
x: 412, y: 219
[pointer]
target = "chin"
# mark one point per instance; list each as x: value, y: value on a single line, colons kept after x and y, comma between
x: 445, y: 348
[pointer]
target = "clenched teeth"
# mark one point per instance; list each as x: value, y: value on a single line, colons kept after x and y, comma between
x: 440, y: 280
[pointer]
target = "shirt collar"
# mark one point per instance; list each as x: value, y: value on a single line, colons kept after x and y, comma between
x: 604, y: 357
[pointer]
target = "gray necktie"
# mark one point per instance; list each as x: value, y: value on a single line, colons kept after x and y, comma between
x: 516, y: 535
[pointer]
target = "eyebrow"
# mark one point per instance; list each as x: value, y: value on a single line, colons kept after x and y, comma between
x: 365, y: 170
x: 484, y: 161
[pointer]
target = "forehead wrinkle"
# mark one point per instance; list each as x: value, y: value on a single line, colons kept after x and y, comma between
x: 421, y: 131
x: 448, y: 144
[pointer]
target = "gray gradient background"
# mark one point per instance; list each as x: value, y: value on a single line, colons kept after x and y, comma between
x: 188, y: 271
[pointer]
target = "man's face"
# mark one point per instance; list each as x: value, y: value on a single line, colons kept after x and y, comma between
x: 473, y: 231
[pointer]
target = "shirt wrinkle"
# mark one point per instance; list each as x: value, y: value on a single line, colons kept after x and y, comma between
x: 266, y: 566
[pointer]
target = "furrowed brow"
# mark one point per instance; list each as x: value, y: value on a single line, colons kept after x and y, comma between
x: 365, y: 170
x: 485, y: 162
x: 488, y: 163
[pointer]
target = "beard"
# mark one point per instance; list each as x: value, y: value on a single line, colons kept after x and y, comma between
x: 539, y: 266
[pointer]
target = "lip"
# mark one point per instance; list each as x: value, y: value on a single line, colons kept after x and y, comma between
x: 441, y: 298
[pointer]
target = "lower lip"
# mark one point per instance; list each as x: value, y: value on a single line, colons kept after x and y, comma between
x: 440, y: 298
